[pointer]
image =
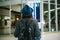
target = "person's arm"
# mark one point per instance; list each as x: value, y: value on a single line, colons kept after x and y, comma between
x: 16, y: 33
x: 37, y: 32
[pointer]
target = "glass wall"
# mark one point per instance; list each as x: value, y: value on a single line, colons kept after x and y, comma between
x: 50, y: 13
x: 58, y: 10
x: 45, y: 15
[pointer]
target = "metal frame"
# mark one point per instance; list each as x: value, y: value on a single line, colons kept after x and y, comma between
x: 41, y: 15
x: 56, y: 15
x: 10, y: 20
x: 49, y: 15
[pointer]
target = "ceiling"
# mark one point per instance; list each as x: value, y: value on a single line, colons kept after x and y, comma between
x: 8, y: 2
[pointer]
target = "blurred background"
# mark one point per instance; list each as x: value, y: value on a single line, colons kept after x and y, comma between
x: 46, y: 12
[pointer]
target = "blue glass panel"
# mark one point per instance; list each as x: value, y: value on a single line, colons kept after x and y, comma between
x: 38, y: 12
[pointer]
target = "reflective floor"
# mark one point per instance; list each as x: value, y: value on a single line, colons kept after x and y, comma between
x: 7, y: 31
x: 45, y: 36
x: 51, y: 36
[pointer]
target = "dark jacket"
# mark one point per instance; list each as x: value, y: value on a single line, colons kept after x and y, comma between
x: 33, y: 25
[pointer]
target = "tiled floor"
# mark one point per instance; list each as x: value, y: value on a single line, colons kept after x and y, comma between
x: 51, y: 36
x: 45, y: 36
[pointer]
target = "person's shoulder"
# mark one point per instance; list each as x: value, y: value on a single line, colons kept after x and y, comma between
x: 33, y: 20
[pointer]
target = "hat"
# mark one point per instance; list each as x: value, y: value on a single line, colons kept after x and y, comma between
x: 26, y: 10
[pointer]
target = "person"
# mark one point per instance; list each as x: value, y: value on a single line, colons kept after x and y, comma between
x: 27, y: 23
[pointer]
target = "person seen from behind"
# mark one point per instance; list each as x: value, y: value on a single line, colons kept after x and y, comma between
x: 27, y: 28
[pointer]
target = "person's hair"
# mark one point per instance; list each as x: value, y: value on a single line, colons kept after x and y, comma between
x: 30, y: 16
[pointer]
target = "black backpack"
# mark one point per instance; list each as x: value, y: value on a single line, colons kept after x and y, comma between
x: 26, y: 32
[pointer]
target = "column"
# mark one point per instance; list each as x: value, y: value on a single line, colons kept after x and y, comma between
x: 41, y: 15
x: 10, y: 19
x: 49, y: 15
x: 56, y: 15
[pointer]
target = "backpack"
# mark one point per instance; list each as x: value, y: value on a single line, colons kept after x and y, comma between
x: 26, y: 32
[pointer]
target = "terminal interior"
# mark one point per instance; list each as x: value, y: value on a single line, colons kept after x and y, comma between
x: 10, y: 14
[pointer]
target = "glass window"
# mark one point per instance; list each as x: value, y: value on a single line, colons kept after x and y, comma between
x: 59, y: 19
x: 45, y: 13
